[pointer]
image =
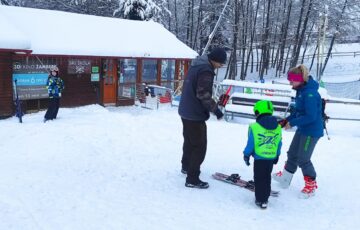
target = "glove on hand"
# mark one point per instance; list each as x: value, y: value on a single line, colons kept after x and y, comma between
x: 218, y: 114
x: 223, y: 99
x: 282, y: 123
x: 247, y: 160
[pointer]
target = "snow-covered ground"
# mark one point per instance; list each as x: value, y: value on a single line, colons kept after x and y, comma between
x: 119, y: 168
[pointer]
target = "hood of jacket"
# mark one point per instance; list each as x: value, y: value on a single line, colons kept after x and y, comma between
x: 310, y: 85
x: 267, y: 121
x: 201, y: 60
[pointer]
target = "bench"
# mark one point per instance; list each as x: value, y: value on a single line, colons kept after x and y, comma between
x: 244, y: 95
x: 242, y: 105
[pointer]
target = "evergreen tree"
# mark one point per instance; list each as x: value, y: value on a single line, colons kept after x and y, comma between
x: 138, y: 9
x: 3, y: 2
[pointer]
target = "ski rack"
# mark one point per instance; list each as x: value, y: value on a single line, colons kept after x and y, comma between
x: 152, y: 96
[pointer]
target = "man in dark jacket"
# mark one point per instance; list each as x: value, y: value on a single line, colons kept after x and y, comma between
x: 195, y: 106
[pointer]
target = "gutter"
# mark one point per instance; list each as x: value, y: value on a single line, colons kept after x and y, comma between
x: 17, y: 51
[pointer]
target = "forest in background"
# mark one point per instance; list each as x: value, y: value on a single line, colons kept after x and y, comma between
x: 258, y: 34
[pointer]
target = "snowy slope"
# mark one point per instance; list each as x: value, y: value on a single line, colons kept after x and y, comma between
x: 119, y: 168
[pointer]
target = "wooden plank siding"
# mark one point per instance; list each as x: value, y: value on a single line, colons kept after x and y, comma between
x: 79, y: 90
x: 6, y: 90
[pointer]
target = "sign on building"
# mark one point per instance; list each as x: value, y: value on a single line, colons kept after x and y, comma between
x: 31, y: 79
x: 79, y: 66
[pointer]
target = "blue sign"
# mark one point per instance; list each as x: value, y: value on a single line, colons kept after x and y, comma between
x: 95, y: 77
x: 31, y: 79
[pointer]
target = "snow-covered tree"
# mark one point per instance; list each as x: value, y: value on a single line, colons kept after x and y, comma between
x: 261, y: 34
x: 137, y: 9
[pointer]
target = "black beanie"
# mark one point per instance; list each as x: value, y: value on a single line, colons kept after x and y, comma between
x: 218, y: 55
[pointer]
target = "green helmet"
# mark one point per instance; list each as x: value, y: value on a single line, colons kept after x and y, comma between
x: 262, y: 107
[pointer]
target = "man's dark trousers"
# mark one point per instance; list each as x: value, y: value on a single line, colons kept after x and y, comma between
x: 194, y: 148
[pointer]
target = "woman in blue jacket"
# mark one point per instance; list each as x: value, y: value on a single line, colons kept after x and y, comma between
x: 307, y: 117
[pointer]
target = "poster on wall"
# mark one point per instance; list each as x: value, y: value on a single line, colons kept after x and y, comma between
x: 31, y: 79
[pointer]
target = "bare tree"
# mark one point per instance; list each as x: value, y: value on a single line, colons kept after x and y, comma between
x: 233, y: 60
x: 261, y: 34
x: 299, y: 37
x: 284, y: 33
x: 265, y: 43
x: 334, y: 35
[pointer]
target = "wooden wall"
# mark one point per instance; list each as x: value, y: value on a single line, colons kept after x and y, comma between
x: 79, y: 90
x: 6, y: 98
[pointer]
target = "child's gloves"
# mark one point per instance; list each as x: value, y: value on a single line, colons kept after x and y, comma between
x: 247, y: 160
x: 282, y: 123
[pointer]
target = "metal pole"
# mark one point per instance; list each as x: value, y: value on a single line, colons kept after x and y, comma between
x: 211, y: 36
x: 325, y: 21
x: 318, y: 51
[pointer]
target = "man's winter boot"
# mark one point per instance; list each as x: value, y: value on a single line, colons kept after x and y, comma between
x: 199, y: 184
x: 309, y: 189
x: 283, y: 177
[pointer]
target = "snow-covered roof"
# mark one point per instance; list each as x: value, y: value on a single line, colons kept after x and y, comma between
x: 11, y: 37
x: 60, y: 33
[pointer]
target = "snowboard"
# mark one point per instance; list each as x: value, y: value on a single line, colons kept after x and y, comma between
x: 236, y: 180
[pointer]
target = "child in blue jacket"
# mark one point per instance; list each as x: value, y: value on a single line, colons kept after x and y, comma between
x: 55, y: 86
x: 264, y: 144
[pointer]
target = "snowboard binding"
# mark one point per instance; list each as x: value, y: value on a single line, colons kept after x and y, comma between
x: 233, y: 178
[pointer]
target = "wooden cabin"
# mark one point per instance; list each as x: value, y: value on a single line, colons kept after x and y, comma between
x: 101, y: 60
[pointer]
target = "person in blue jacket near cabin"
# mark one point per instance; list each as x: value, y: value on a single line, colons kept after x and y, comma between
x: 264, y: 144
x: 307, y: 117
x: 55, y: 86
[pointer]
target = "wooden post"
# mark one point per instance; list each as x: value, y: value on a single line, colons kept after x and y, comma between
x: 158, y: 77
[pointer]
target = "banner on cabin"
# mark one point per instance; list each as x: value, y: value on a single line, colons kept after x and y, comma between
x: 31, y: 77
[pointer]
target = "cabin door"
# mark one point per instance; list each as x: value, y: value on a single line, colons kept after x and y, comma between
x: 110, y: 80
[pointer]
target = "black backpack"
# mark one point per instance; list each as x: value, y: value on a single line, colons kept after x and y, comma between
x: 324, y: 116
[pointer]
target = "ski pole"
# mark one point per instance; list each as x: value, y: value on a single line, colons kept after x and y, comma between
x: 327, y: 134
x: 226, y: 98
x: 344, y: 119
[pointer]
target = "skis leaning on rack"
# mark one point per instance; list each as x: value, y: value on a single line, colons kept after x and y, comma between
x: 17, y: 102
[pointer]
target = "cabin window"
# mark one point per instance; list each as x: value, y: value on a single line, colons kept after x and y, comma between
x: 127, y: 80
x: 167, y: 73
x: 128, y: 70
x: 149, y: 71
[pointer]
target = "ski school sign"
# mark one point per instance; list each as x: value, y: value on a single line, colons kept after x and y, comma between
x: 31, y: 80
